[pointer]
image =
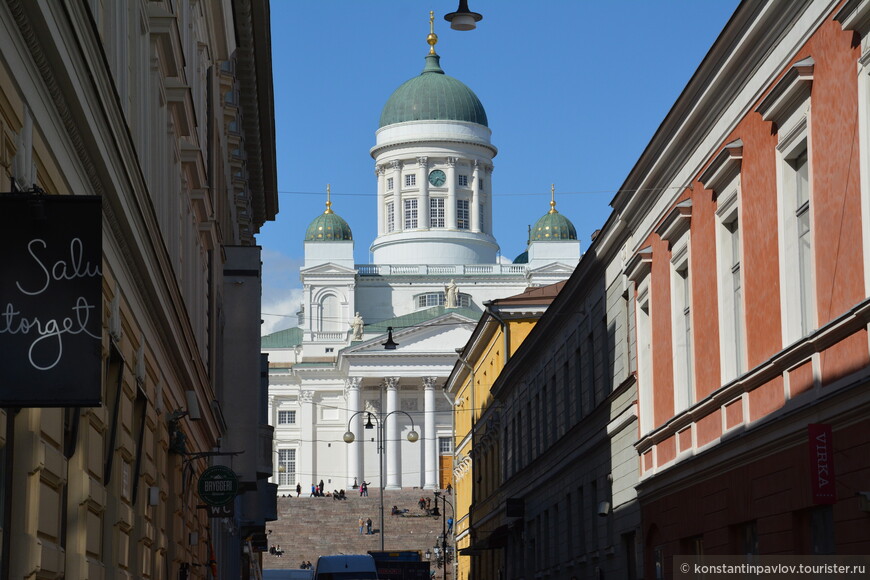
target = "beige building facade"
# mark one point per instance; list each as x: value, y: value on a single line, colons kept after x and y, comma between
x: 162, y: 112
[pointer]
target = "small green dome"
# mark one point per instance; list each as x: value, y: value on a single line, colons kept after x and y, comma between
x: 553, y: 227
x: 328, y: 227
x: 433, y: 96
x: 522, y: 258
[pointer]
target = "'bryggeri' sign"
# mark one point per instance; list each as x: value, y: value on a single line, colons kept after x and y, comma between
x: 50, y: 300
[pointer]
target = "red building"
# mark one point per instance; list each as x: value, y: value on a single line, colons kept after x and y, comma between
x: 749, y: 213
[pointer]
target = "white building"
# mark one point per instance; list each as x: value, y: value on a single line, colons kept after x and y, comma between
x: 435, y: 267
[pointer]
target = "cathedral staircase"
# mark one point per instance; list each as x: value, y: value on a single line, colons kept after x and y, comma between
x: 308, y: 527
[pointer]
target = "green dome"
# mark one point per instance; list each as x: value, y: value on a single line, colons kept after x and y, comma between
x: 522, y: 258
x: 328, y: 227
x: 433, y: 96
x: 553, y: 227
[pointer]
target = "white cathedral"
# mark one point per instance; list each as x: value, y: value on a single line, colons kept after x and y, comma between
x: 376, y: 341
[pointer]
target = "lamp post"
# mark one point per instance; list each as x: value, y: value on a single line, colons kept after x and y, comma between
x: 349, y: 438
x: 442, y: 555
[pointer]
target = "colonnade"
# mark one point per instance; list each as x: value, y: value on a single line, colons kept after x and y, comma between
x: 393, y: 434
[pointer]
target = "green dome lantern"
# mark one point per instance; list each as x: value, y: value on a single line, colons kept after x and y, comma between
x: 433, y: 96
x: 328, y: 226
x: 553, y: 226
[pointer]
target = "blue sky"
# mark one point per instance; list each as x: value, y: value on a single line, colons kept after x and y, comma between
x: 573, y: 91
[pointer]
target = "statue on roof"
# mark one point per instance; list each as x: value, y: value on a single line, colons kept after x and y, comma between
x: 451, y: 295
x: 356, y: 326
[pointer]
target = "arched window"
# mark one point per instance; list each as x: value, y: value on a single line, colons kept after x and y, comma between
x: 330, y: 314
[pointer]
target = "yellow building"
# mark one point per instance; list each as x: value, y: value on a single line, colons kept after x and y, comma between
x: 479, y: 527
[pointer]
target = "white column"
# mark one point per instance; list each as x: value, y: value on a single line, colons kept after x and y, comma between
x: 398, y: 208
x: 475, y: 199
x: 423, y: 180
x: 450, y: 210
x: 306, y: 470
x: 486, y: 218
x: 392, y: 435
x: 355, y: 449
x: 381, y: 172
x: 430, y: 449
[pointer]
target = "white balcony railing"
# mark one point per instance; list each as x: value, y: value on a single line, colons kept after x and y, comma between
x: 440, y: 269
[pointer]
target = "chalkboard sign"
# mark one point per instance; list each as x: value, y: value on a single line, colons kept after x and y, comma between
x: 50, y: 300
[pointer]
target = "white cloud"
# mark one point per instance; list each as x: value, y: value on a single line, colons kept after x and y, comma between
x: 282, y: 291
x: 279, y: 311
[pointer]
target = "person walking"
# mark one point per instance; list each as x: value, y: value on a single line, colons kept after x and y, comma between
x: 298, y: 489
x: 361, y: 524
x: 368, y: 526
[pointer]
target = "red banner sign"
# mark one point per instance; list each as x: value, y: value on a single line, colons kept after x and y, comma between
x: 821, y: 443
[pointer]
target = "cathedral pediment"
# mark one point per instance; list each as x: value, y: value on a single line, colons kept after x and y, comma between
x: 328, y: 269
x: 438, y: 336
x: 554, y: 268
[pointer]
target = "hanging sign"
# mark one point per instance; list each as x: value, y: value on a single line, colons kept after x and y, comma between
x: 218, y: 485
x: 51, y: 286
x: 823, y: 482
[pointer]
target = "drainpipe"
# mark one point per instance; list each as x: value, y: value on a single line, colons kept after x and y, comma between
x: 505, y: 330
x: 471, y: 389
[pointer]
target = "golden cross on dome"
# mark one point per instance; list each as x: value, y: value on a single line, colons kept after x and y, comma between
x: 328, y: 202
x: 432, y: 39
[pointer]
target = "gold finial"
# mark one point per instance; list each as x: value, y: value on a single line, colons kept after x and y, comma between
x: 553, y: 198
x: 432, y: 39
x: 328, y: 202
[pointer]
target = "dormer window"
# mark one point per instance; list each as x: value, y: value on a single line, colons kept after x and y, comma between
x: 430, y: 299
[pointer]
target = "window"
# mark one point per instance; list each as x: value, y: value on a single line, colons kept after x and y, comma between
x: 788, y: 108
x: 800, y: 167
x: 638, y: 272
x: 286, y: 466
x: 410, y: 180
x: 462, y: 214
x: 797, y: 252
x: 410, y: 214
x: 578, y: 383
x: 330, y: 314
x: 735, y: 294
x: 430, y: 299
x: 822, y: 530
x: 746, y: 538
x: 644, y: 363
x: 463, y: 180
x: 389, y: 184
x: 391, y: 218
x: 436, y: 212
x: 286, y: 417
x: 445, y: 445
x: 682, y: 332
x: 732, y: 344
x: 437, y: 299
x: 480, y: 183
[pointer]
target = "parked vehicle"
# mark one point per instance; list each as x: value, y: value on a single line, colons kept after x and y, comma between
x: 297, y: 574
x: 346, y: 567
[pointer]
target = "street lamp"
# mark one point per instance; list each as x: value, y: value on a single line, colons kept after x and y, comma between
x: 463, y: 18
x: 442, y: 554
x: 349, y: 438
